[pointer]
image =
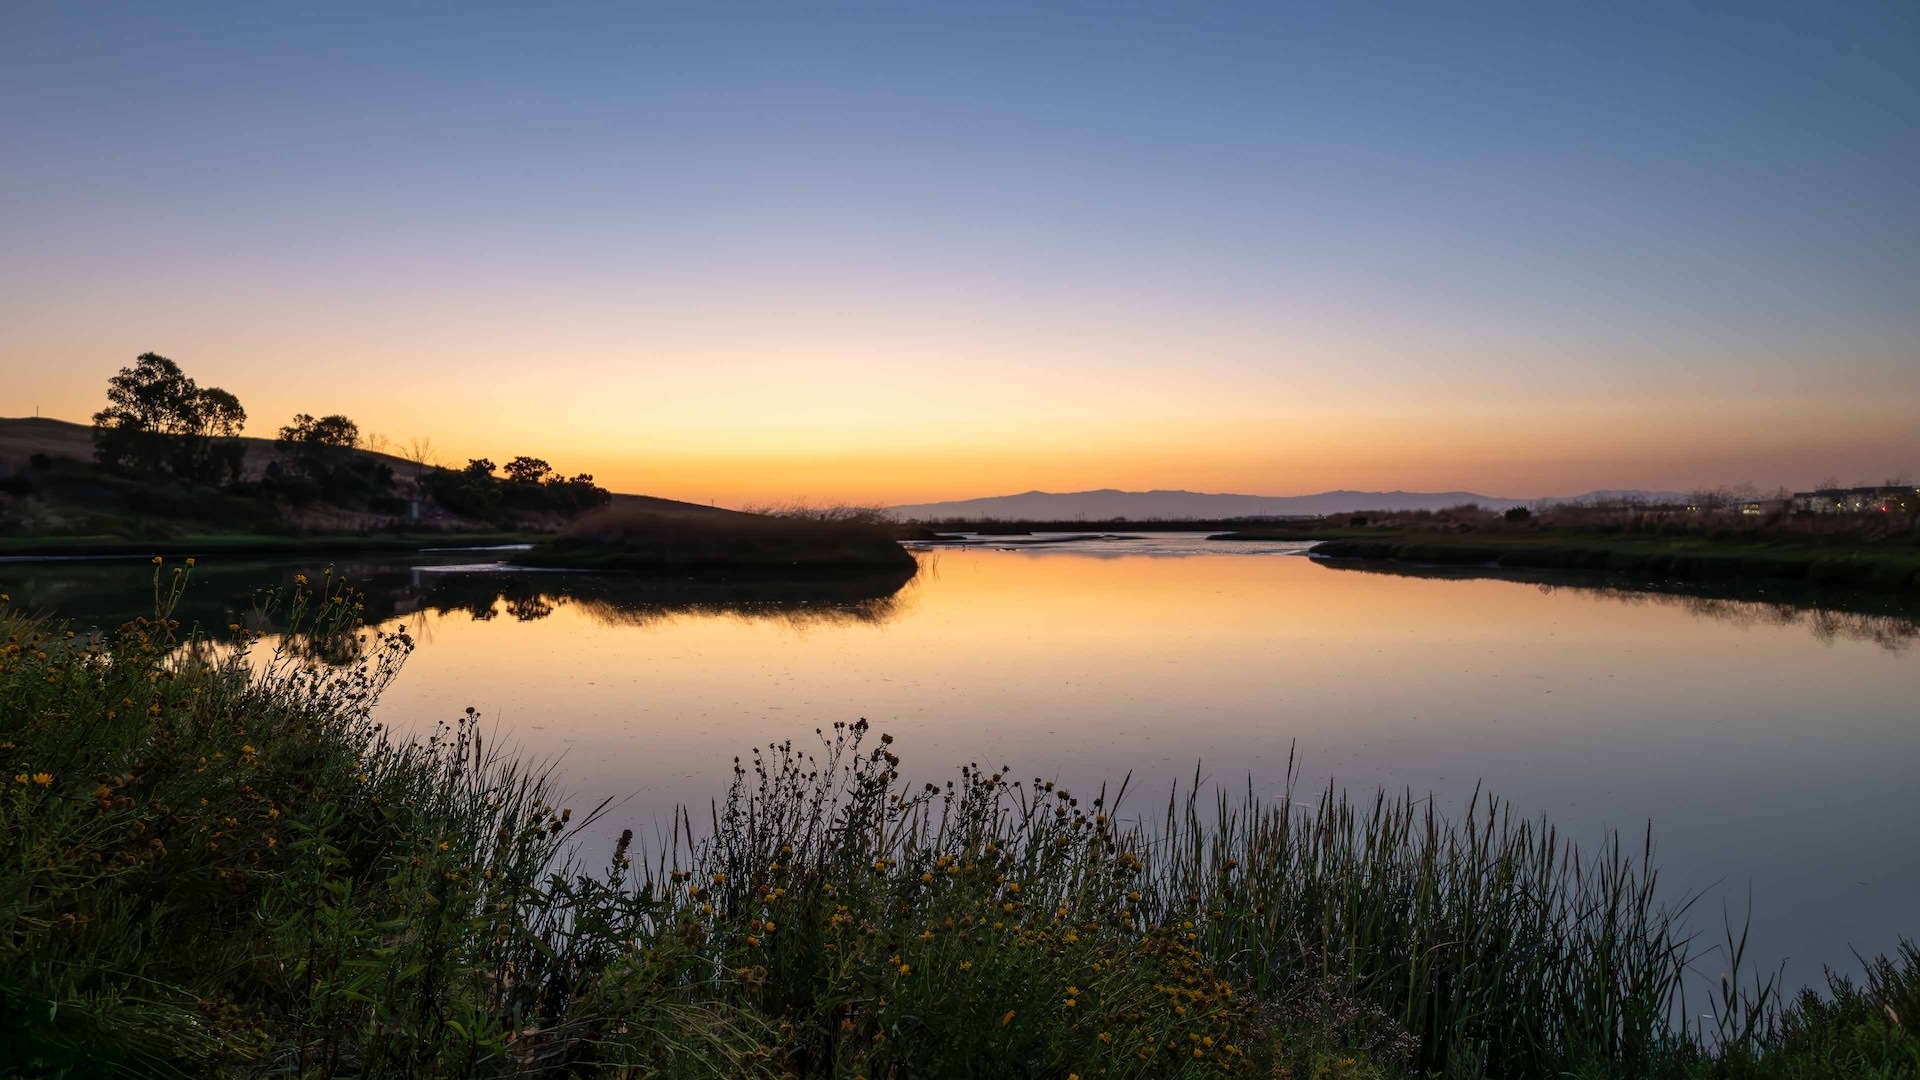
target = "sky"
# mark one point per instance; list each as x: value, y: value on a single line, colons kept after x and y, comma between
x: 899, y: 253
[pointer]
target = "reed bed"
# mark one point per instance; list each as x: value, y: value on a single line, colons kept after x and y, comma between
x: 214, y: 862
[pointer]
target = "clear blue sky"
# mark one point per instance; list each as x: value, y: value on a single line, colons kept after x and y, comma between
x: 910, y: 253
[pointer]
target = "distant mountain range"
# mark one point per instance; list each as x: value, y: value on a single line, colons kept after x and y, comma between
x: 1150, y: 505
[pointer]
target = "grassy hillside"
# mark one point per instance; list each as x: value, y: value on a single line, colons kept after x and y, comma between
x: 22, y: 437
x: 54, y: 499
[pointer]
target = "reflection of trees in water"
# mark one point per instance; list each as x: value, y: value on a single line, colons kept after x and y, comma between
x: 1828, y: 615
x: 416, y: 591
x: 641, y: 602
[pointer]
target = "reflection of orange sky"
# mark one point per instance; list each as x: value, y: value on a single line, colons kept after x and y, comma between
x: 1584, y: 709
x: 988, y: 647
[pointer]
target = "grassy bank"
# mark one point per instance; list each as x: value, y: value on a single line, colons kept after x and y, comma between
x: 213, y: 863
x: 795, y: 540
x: 1887, y: 564
x: 1863, y: 552
x: 249, y: 544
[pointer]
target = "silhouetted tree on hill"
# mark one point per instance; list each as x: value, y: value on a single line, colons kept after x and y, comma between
x: 159, y: 420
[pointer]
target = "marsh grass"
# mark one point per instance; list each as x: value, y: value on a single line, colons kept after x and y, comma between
x: 213, y: 862
x: 789, y: 538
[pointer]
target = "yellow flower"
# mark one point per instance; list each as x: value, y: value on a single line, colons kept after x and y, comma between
x: 1105, y: 1037
x: 20, y: 778
x: 1007, y: 1019
x: 298, y: 579
x: 906, y: 969
x: 43, y: 779
x: 1071, y: 1003
x: 966, y: 965
x: 189, y: 562
x: 156, y: 560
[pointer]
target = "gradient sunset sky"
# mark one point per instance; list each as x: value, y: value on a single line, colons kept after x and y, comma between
x: 898, y: 254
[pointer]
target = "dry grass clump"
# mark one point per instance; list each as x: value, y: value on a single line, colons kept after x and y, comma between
x: 791, y: 538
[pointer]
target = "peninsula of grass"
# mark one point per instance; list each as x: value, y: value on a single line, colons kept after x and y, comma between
x: 214, y: 863
x: 1870, y: 551
x: 791, y: 541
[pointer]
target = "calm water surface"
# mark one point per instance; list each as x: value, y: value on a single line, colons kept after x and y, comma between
x: 1773, y: 746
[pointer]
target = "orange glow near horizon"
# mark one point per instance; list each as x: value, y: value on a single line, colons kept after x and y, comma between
x: 734, y: 433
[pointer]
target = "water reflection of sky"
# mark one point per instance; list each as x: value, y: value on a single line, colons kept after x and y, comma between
x: 1770, y: 741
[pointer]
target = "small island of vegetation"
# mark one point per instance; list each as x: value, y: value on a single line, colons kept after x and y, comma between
x: 783, y: 540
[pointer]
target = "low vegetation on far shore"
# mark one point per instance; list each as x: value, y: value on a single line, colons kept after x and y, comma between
x: 773, y: 540
x: 1877, y: 550
x: 214, y: 863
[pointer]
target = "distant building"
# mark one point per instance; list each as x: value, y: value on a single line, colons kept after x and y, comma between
x: 1885, y: 498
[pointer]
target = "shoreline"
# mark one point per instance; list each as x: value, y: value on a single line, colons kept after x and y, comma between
x: 32, y: 549
x: 1873, y: 565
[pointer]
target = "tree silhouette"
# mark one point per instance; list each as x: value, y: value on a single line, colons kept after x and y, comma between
x: 158, y: 419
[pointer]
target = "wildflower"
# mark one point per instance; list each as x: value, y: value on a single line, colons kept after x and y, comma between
x: 43, y: 779
x: 156, y: 560
x: 298, y: 579
x: 1007, y: 1019
x: 1105, y: 1037
x: 1071, y: 1003
x: 20, y: 778
x: 189, y: 562
x: 906, y: 969
x: 966, y: 965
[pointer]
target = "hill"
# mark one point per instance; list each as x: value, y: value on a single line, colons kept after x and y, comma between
x: 51, y: 490
x: 1109, y: 503
x: 23, y: 436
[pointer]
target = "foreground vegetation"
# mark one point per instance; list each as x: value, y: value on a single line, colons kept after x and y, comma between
x: 783, y: 540
x: 212, y: 862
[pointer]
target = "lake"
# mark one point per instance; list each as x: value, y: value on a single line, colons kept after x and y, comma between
x: 1769, y: 736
